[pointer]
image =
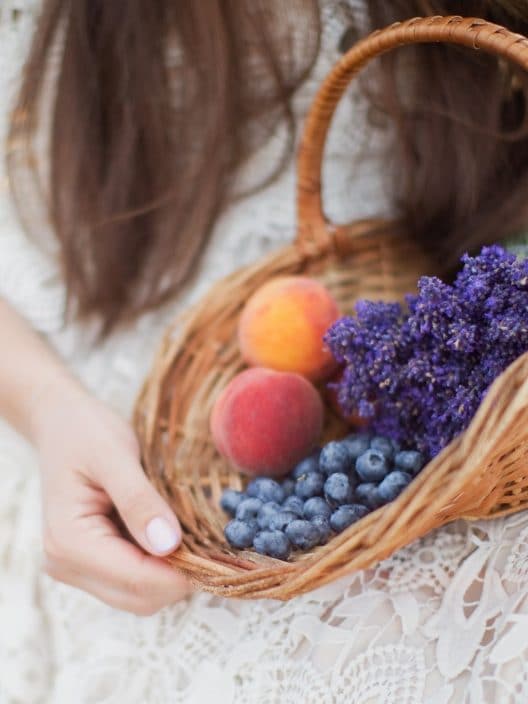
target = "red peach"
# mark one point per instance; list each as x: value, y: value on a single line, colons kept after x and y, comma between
x: 283, y: 324
x: 264, y: 422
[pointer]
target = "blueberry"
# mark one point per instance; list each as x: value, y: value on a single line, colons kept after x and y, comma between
x: 409, y: 461
x: 272, y: 543
x: 309, y: 485
x: 288, y: 487
x: 252, y: 488
x: 248, y: 508
x: 337, y: 489
x: 384, y: 445
x: 335, y: 457
x: 323, y: 526
x: 240, y: 534
x: 295, y: 504
x: 357, y: 444
x: 372, y: 466
x: 367, y: 494
x: 230, y: 500
x: 265, y: 489
x: 309, y: 464
x: 316, y: 506
x: 266, y: 511
x: 280, y: 520
x: 393, y: 484
x: 345, y: 515
x: 303, y: 534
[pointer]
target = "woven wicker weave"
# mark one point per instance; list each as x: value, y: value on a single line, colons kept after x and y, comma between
x: 483, y: 473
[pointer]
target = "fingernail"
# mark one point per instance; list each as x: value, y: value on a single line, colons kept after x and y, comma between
x: 161, y: 535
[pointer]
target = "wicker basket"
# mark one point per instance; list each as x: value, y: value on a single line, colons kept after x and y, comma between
x: 483, y: 473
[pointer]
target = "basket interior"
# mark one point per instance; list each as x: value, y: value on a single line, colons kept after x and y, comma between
x: 182, y: 461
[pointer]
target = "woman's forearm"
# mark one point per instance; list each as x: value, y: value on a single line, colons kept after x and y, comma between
x: 29, y: 371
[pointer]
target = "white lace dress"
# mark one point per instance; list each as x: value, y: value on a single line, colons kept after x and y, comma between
x: 443, y: 621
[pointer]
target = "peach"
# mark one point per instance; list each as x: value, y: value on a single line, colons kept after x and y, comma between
x: 264, y: 421
x: 283, y: 324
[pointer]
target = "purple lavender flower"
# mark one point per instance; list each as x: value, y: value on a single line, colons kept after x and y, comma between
x: 420, y: 371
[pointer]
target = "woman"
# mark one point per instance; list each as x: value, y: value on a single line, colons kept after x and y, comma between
x: 161, y: 120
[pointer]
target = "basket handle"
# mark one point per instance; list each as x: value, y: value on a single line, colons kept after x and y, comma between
x: 314, y: 230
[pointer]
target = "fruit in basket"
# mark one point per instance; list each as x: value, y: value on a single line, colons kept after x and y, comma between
x: 323, y: 526
x: 366, y: 493
x: 387, y: 447
x: 316, y: 506
x: 338, y: 489
x: 266, y: 489
x: 345, y: 515
x: 273, y: 543
x: 409, y: 461
x: 283, y: 324
x: 334, y: 487
x: 295, y: 504
x: 240, y: 533
x: 308, y: 464
x: 248, y: 509
x: 230, y: 500
x: 393, y: 485
x: 264, y: 422
x: 357, y: 444
x: 303, y: 534
x: 281, y: 519
x: 266, y: 513
x: 335, y: 457
x: 372, y: 465
x: 309, y: 485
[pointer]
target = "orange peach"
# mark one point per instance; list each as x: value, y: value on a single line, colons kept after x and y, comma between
x: 264, y: 422
x: 283, y: 324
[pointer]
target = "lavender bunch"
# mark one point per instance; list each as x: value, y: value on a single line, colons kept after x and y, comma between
x: 420, y: 371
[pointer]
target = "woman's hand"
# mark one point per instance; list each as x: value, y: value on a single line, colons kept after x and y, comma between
x: 90, y: 464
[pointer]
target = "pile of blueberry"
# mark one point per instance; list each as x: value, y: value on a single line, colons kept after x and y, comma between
x: 326, y: 492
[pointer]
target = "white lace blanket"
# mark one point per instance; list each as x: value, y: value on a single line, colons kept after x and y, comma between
x: 443, y: 621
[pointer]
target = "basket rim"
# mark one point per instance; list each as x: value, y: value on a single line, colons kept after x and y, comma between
x: 313, y: 227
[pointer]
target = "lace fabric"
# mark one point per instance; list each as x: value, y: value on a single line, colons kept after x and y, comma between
x: 442, y: 621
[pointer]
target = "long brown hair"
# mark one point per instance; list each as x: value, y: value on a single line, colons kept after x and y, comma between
x: 157, y: 103
x: 459, y: 173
